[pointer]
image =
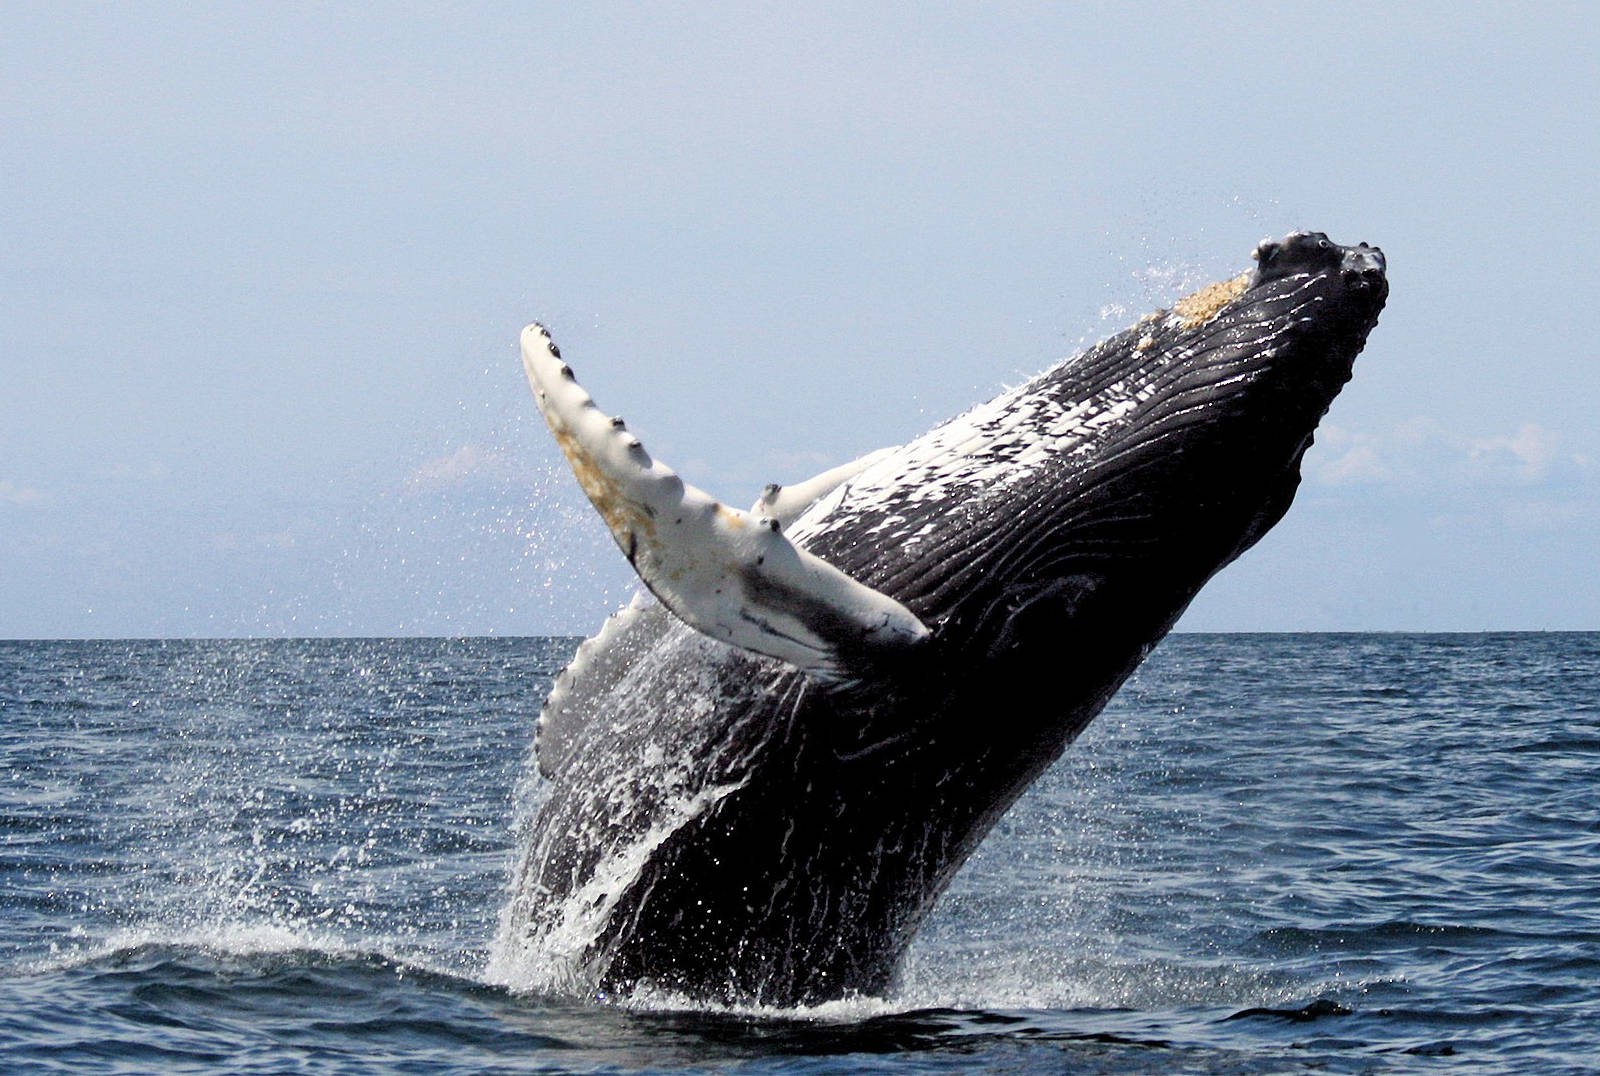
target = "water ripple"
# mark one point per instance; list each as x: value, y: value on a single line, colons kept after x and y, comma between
x: 1348, y: 853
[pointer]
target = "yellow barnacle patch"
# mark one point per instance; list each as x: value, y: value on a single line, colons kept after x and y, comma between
x: 1203, y: 305
x: 623, y: 514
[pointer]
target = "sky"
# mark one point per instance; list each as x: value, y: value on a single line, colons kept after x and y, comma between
x: 263, y: 269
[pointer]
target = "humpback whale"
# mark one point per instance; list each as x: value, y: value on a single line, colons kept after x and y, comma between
x: 757, y: 779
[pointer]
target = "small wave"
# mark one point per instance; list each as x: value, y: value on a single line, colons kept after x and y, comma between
x: 1083, y: 985
x: 1359, y: 937
x: 847, y: 1010
x: 258, y: 945
x: 1557, y: 745
x: 1315, y: 1010
x: 215, y: 941
x: 873, y: 1025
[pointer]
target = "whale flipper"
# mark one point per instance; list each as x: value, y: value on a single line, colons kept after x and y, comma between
x: 729, y: 574
x: 604, y: 659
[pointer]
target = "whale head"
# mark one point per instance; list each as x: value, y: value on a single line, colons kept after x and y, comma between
x: 1242, y: 372
x: 1067, y: 524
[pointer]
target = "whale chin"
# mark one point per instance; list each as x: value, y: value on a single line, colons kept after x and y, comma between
x: 758, y: 781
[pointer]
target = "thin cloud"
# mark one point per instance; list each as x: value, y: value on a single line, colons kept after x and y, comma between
x: 1530, y: 453
x: 467, y: 464
x: 1424, y: 453
x: 15, y: 493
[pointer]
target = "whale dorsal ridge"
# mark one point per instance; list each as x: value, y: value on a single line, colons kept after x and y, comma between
x: 729, y: 574
x: 599, y: 665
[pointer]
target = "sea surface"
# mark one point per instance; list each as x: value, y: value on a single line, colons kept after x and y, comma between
x: 1272, y: 853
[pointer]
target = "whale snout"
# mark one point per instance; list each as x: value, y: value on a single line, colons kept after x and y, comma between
x: 1362, y: 267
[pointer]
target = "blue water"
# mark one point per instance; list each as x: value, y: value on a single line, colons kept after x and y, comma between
x: 1347, y: 853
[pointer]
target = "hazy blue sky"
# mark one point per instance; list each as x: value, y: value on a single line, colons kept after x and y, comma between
x: 264, y: 268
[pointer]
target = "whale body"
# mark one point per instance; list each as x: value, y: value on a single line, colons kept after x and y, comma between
x: 756, y: 782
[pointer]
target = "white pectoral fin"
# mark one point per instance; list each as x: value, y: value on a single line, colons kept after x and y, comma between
x: 729, y: 574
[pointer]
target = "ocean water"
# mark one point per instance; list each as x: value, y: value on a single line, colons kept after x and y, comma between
x: 1346, y: 853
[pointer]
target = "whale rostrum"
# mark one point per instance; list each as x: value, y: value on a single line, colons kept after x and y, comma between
x: 728, y: 573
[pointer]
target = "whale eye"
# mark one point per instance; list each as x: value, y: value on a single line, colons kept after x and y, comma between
x: 1324, y: 244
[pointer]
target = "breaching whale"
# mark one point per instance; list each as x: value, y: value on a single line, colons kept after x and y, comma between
x: 755, y: 785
